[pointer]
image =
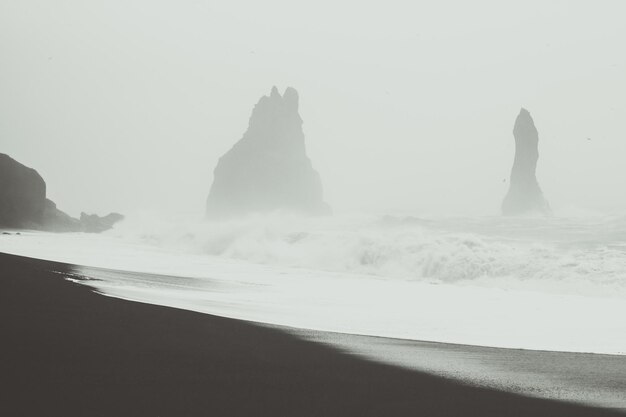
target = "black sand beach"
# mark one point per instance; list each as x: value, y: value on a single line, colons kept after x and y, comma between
x: 68, y: 351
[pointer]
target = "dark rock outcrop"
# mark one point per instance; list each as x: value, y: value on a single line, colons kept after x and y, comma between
x: 92, y: 223
x: 23, y: 204
x: 55, y: 220
x: 22, y: 195
x: 268, y: 168
x: 524, y: 194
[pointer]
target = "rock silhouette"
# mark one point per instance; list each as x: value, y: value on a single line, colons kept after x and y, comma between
x: 92, y: 223
x: 268, y: 169
x: 524, y: 194
x: 22, y: 195
x: 55, y: 220
x: 23, y: 203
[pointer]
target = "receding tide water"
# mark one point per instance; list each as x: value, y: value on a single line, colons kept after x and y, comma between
x: 535, y: 283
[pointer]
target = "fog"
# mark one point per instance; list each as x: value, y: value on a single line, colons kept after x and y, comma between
x: 127, y: 105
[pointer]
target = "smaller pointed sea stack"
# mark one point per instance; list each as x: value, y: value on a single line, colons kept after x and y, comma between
x: 524, y: 194
x: 268, y: 168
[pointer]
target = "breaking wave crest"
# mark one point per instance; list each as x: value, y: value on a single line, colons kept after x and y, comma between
x: 571, y: 255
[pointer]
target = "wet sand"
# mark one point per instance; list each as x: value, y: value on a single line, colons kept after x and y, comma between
x: 585, y: 378
x: 68, y: 351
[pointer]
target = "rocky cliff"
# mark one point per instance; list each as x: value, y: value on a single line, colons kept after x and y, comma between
x: 22, y: 195
x: 23, y: 204
x: 524, y: 194
x: 268, y: 169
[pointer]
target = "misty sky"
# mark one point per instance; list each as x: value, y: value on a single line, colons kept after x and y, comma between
x: 407, y: 105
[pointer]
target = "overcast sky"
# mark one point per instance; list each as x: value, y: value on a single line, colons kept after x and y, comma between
x: 407, y: 105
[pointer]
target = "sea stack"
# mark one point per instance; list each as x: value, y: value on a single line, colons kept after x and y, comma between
x: 268, y: 169
x: 23, y: 204
x: 525, y: 196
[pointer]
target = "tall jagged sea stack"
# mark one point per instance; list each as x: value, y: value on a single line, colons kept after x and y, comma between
x: 268, y: 168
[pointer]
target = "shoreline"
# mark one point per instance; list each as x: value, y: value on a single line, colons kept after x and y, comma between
x: 75, y: 352
x: 597, y: 379
x: 343, y: 302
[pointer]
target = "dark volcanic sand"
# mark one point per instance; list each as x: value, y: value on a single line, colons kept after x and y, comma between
x: 67, y: 351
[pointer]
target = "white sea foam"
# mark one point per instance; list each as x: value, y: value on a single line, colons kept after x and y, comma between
x: 554, y: 284
x: 575, y: 255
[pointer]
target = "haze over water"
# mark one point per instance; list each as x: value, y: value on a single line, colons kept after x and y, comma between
x: 127, y: 105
